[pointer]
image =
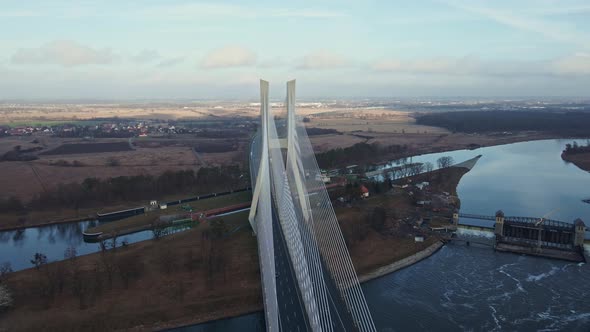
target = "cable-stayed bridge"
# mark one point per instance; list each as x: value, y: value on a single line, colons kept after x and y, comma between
x: 308, y: 279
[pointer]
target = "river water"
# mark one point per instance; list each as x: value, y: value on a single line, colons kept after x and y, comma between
x: 458, y: 288
x: 19, y: 247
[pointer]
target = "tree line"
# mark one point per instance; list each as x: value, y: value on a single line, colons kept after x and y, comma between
x: 94, y: 192
x: 118, y: 269
x: 358, y: 153
x: 486, y: 121
x: 575, y: 148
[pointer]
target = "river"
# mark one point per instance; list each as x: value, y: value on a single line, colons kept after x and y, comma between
x: 474, y: 288
x: 458, y: 288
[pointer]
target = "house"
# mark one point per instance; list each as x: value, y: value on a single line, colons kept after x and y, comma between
x: 418, y: 238
x: 364, y: 192
x: 163, y: 206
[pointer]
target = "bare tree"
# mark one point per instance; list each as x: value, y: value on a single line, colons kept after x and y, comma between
x: 158, y: 230
x: 102, y: 245
x: 130, y: 268
x: 377, y: 218
x: 191, y: 262
x: 114, y: 241
x: 166, y: 259
x: 108, y: 266
x: 416, y: 169
x: 39, y: 260
x: 5, y: 268
x: 77, y: 283
x: 70, y: 253
x: 428, y: 166
x: 6, y: 300
x: 445, y: 161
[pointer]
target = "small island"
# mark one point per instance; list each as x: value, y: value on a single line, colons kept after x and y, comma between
x: 578, y: 155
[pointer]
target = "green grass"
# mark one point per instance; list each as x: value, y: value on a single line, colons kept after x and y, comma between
x: 144, y: 220
x: 221, y: 201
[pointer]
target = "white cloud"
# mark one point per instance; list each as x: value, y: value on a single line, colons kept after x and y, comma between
x: 577, y: 64
x: 229, y: 56
x: 526, y: 20
x: 273, y: 62
x: 146, y: 56
x: 215, y: 10
x: 323, y: 59
x: 428, y: 66
x: 63, y: 52
x: 170, y: 62
x: 571, y: 65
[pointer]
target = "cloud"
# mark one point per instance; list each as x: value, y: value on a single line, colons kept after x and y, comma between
x: 423, y: 66
x: 215, y: 10
x: 229, y: 56
x: 525, y: 20
x: 571, y: 65
x: 63, y: 52
x: 323, y: 60
x: 577, y: 64
x: 170, y: 62
x: 146, y: 56
x: 273, y: 62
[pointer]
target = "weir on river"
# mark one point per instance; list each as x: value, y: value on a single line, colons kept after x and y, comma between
x: 535, y: 236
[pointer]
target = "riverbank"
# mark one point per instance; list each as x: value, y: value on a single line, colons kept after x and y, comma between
x: 581, y: 160
x: 403, y: 263
x: 416, y: 143
x: 12, y: 221
x: 192, y: 276
x: 206, y: 273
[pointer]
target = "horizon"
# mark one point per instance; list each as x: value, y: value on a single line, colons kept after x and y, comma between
x: 208, y: 50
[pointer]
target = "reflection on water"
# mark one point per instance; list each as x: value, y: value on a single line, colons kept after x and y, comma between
x: 18, y: 247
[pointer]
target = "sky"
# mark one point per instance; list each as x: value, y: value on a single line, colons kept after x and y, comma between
x: 334, y: 48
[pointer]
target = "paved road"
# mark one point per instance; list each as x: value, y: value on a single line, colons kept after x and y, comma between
x: 292, y: 314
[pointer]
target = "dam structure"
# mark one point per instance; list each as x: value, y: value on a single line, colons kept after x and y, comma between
x: 530, y: 235
x: 308, y: 279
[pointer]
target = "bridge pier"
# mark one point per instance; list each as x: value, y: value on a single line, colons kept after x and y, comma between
x: 499, y: 226
x: 580, y: 229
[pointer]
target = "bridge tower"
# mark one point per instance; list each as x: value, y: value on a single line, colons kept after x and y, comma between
x: 499, y: 226
x: 579, y: 233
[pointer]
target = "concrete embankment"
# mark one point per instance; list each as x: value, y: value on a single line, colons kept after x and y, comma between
x: 403, y: 263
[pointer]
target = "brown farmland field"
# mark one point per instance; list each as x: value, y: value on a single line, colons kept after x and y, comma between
x: 79, y: 148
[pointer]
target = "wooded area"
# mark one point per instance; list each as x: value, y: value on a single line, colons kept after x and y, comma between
x: 486, y: 121
x: 95, y: 192
x: 357, y: 154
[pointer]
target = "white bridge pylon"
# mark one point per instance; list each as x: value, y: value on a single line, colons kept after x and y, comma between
x: 288, y: 186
